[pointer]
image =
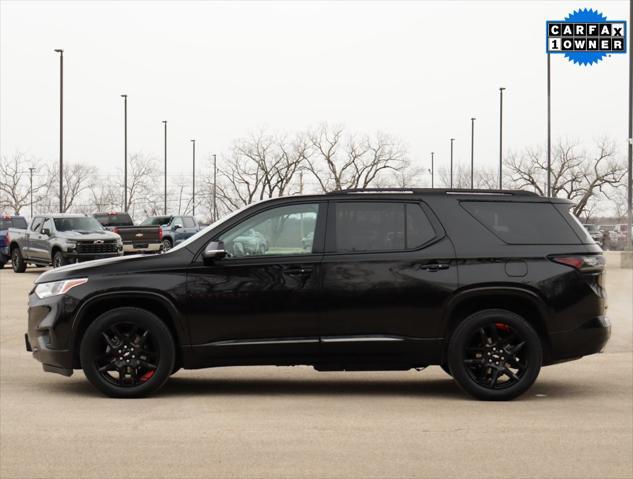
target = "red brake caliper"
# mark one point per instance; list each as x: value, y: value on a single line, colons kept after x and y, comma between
x: 502, y: 327
x: 147, y: 375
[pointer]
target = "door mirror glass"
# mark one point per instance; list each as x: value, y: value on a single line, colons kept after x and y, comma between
x: 214, y: 250
x: 46, y: 231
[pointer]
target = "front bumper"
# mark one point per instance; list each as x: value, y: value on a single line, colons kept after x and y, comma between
x: 589, y: 338
x: 48, y: 336
x: 78, y: 257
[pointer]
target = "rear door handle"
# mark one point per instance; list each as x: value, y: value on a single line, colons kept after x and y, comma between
x: 298, y: 270
x: 434, y: 267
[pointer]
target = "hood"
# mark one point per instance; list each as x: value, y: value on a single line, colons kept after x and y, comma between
x: 119, y: 265
x: 91, y: 236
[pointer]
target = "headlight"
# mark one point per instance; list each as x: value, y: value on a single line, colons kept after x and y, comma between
x: 46, y: 290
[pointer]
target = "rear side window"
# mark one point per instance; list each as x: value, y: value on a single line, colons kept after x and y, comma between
x: 17, y: 222
x: 374, y: 226
x: 522, y: 223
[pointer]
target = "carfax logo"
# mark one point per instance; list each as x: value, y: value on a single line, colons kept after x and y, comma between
x: 586, y: 36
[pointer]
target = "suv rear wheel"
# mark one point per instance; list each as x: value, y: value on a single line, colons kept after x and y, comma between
x: 127, y: 353
x: 495, y: 355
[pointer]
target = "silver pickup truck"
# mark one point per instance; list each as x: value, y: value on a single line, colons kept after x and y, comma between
x: 60, y: 239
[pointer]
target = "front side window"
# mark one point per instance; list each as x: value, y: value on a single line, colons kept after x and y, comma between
x: 188, y: 222
x: 37, y: 223
x: 286, y: 230
x: 48, y: 224
x: 156, y: 221
x: 374, y: 226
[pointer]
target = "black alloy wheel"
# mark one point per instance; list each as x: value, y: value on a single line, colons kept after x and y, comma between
x: 17, y: 261
x: 495, y: 355
x: 166, y: 245
x: 127, y: 352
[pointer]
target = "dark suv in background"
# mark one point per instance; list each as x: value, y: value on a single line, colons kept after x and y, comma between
x: 175, y: 229
x: 490, y: 285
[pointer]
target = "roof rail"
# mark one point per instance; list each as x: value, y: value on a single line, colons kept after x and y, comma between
x: 437, y: 191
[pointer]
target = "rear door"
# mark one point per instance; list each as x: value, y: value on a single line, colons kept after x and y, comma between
x: 387, y: 272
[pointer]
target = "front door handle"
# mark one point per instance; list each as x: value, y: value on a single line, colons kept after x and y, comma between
x: 433, y: 267
x: 298, y: 270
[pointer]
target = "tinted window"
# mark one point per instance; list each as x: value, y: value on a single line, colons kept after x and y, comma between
x: 374, y: 226
x: 115, y: 219
x: 287, y: 230
x: 188, y: 222
x: 17, y: 222
x: 369, y: 226
x: 419, y: 229
x: 156, y: 221
x: 522, y: 223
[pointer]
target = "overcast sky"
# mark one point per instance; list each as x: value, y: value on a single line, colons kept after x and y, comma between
x: 217, y: 71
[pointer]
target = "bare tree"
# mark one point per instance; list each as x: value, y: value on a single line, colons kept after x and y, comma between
x: 15, y: 185
x: 340, y: 161
x: 576, y: 174
x: 78, y: 179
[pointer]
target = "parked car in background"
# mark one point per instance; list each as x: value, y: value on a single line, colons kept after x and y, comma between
x: 61, y: 239
x: 250, y: 242
x: 595, y: 233
x: 136, y: 239
x: 610, y: 236
x: 175, y: 229
x: 489, y: 285
x: 7, y: 222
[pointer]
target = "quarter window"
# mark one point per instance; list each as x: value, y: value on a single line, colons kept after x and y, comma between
x: 286, y: 230
x: 373, y: 226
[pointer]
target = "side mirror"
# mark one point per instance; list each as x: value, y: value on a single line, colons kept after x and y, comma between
x: 177, y: 226
x: 213, y: 250
x: 46, y: 231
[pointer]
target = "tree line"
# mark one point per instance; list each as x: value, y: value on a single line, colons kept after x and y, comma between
x: 327, y: 158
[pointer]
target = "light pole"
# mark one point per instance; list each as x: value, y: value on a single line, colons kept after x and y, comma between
x: 61, y: 129
x: 125, y: 208
x: 472, y: 153
x: 31, y: 189
x: 452, y: 140
x: 549, y: 128
x: 501, y: 137
x: 432, y: 170
x: 165, y: 142
x: 629, y: 234
x: 193, y: 191
x: 215, y: 198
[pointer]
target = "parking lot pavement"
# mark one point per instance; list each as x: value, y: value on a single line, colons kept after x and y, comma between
x: 575, y: 422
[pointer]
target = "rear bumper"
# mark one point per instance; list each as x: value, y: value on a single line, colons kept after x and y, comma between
x: 589, y: 338
x: 150, y: 248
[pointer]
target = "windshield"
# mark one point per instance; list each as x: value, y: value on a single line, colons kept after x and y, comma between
x: 156, y: 221
x: 204, y: 231
x: 114, y: 219
x: 83, y: 224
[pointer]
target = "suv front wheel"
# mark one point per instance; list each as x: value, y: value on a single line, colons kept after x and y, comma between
x: 495, y: 354
x: 127, y: 353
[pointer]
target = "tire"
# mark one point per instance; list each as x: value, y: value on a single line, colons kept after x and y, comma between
x: 59, y: 260
x: 17, y: 261
x: 495, y: 355
x: 127, y: 353
x: 167, y: 245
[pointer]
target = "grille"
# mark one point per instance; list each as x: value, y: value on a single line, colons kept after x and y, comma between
x: 92, y: 248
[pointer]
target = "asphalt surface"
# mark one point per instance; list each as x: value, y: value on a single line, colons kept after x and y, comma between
x: 267, y: 422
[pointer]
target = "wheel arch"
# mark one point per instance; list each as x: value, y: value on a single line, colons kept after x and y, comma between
x: 155, y: 303
x: 523, y: 302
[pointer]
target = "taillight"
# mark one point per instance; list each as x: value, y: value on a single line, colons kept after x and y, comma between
x: 581, y: 262
x: 160, y: 234
x: 116, y: 230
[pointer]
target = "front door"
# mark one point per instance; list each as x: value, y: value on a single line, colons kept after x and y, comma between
x: 388, y: 270
x: 259, y: 304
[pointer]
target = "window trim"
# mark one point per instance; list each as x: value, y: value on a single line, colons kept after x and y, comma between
x: 330, y: 240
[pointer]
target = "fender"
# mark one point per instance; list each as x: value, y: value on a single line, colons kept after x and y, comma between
x: 482, y: 291
x: 182, y: 332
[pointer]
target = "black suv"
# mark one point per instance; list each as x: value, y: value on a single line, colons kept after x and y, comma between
x: 490, y: 285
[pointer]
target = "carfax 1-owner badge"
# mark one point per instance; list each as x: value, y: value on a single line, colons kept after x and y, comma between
x: 586, y: 36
